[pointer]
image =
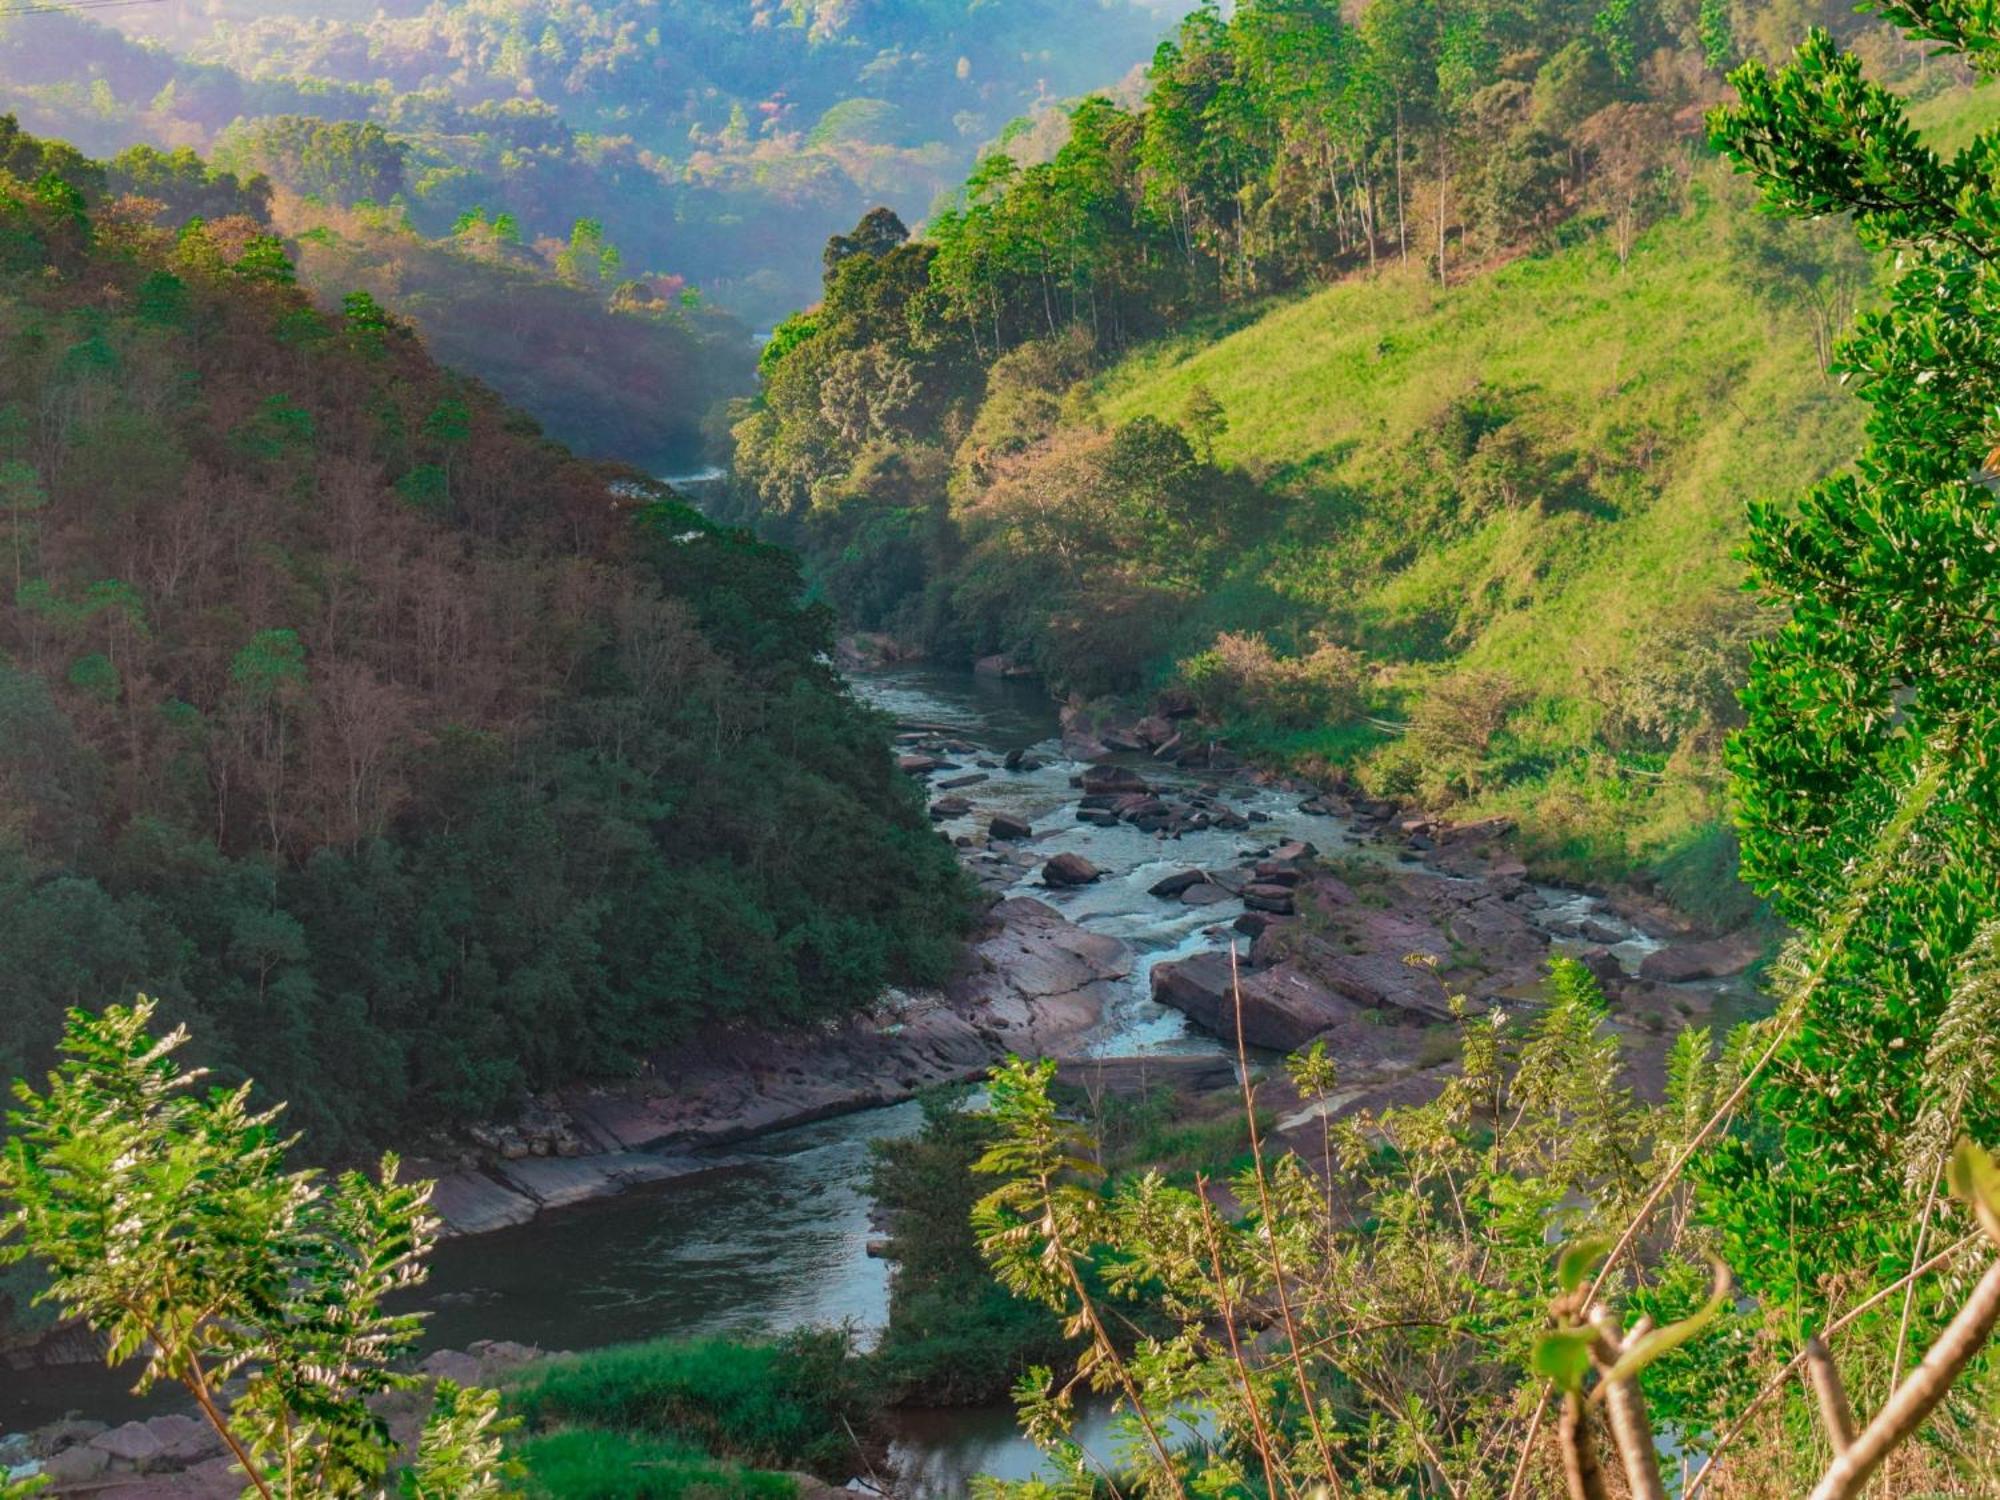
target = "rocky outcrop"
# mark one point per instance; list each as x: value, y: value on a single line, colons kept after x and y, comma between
x: 1283, y: 1007
x: 1717, y: 958
x: 1035, y: 984
x: 1403, y: 951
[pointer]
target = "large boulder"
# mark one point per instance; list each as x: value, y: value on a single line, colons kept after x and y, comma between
x: 1001, y: 666
x: 1177, y: 882
x: 1069, y: 870
x: 1008, y: 828
x: 1114, y: 779
x: 1284, y: 1007
x: 1275, y: 899
x: 1717, y: 958
x: 132, y: 1446
x: 1380, y: 979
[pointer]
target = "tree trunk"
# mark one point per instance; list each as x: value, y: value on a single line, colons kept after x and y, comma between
x: 1402, y: 224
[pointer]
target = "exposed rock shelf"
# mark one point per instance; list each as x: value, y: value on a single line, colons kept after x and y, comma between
x: 1036, y: 984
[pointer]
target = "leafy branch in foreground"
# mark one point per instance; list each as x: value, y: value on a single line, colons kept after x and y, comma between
x: 1587, y: 1336
x: 169, y: 1224
x: 1353, y: 1315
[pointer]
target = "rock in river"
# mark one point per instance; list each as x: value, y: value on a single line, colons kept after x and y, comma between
x: 1275, y: 899
x: 1113, y: 779
x: 1283, y: 1007
x: 1716, y: 959
x: 1069, y: 870
x: 1004, y: 827
x: 1177, y: 882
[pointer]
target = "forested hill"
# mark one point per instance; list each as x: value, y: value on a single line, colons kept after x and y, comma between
x: 715, y: 142
x: 412, y: 760
x: 1395, y: 379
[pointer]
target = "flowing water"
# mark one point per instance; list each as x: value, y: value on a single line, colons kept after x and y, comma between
x: 781, y: 1241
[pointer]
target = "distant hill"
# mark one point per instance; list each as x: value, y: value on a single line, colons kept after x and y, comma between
x: 718, y: 141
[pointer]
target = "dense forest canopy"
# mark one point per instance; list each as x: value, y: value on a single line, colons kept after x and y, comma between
x: 414, y: 759
x: 716, y: 140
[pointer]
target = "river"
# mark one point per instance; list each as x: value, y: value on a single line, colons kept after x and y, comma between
x: 781, y: 1242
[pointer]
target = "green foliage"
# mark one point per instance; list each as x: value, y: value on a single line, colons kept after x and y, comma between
x: 264, y: 259
x: 1415, y: 1243
x: 346, y: 780
x: 953, y: 1335
x: 459, y: 1454
x: 784, y: 1405
x: 169, y: 1224
x: 588, y: 1464
x: 1880, y: 686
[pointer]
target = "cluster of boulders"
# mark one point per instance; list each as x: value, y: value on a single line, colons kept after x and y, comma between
x: 931, y: 750
x: 180, y: 1455
x: 1114, y: 794
x: 76, y: 1454
x: 1170, y: 733
x: 1267, y: 885
x: 543, y: 1129
x: 1334, y: 954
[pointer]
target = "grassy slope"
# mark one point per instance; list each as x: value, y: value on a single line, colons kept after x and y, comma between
x: 1690, y: 394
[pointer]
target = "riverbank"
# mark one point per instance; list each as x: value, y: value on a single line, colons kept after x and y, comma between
x: 1035, y: 984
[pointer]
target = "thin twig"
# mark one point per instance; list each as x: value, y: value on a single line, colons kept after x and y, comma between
x: 1228, y: 1310
x: 1777, y: 1381
x: 1271, y: 1238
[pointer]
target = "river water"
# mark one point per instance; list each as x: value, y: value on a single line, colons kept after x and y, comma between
x: 781, y: 1242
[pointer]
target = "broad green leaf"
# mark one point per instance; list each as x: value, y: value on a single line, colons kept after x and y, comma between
x: 1563, y: 1356
x: 1975, y: 1179
x: 1578, y: 1258
x: 1644, y: 1350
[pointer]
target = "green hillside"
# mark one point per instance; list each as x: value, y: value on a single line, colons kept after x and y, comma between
x: 1537, y: 479
x: 1540, y: 473
x: 1428, y: 467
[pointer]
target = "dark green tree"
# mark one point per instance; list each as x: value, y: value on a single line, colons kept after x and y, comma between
x: 1875, y: 712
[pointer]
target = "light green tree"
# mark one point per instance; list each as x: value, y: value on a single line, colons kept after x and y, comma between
x: 169, y: 1223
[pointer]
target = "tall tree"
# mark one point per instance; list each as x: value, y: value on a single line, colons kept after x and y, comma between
x: 1878, y: 704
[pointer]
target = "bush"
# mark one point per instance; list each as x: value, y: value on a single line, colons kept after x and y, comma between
x: 954, y: 1335
x: 1241, y: 676
x: 786, y: 1405
x: 1454, y: 724
x: 584, y: 1465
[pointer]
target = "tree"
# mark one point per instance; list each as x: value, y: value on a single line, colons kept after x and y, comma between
x: 1205, y: 421
x: 1875, y: 710
x: 879, y: 232
x: 21, y: 495
x: 168, y: 1222
x: 588, y: 259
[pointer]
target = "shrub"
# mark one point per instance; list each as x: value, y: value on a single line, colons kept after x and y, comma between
x: 580, y: 1464
x: 790, y: 1404
x: 1454, y: 724
x: 1241, y: 676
